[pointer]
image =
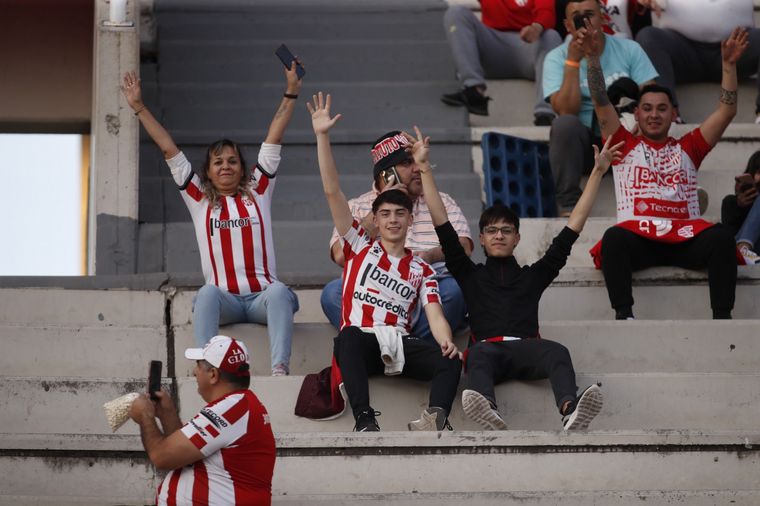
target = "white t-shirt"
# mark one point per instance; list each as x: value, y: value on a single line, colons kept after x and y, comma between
x: 705, y: 20
x: 380, y: 289
x: 235, y: 236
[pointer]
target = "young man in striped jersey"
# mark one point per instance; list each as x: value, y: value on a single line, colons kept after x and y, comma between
x: 394, y: 168
x: 383, y: 282
x: 225, y: 454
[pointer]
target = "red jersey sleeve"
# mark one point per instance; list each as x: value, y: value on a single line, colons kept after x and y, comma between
x: 544, y: 14
x: 355, y: 240
x: 695, y: 145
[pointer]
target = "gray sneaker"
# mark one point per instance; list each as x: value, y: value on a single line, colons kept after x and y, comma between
x: 431, y: 419
x: 587, y: 406
x: 479, y: 409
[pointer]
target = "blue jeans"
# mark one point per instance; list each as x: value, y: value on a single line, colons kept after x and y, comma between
x: 452, y: 302
x: 273, y: 306
x: 750, y: 230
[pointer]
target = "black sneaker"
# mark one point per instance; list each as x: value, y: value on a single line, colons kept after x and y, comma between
x: 586, y: 407
x: 365, y: 421
x: 471, y: 98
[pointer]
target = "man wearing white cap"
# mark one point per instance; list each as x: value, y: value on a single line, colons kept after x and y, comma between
x: 225, y: 454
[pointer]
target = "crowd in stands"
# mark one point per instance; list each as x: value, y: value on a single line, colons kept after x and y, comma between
x: 408, y: 281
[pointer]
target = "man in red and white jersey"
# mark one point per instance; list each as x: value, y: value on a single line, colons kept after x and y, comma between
x: 382, y: 283
x: 656, y: 188
x: 225, y: 454
x: 394, y: 168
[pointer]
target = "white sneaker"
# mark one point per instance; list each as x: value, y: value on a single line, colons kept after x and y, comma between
x: 479, y: 409
x: 280, y: 370
x: 750, y: 257
x: 431, y: 419
x: 587, y: 406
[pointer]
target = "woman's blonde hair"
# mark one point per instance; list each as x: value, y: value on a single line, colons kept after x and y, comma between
x: 215, y: 149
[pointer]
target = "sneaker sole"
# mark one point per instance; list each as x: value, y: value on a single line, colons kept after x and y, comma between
x: 589, y: 405
x: 479, y: 410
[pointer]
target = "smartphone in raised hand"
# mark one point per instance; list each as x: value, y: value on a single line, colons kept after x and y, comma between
x: 154, y: 378
x: 746, y: 181
x: 286, y: 57
x: 390, y: 176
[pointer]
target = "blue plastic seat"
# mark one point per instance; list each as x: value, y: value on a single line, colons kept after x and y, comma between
x: 517, y: 174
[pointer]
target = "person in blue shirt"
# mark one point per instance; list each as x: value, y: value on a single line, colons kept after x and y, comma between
x: 566, y: 88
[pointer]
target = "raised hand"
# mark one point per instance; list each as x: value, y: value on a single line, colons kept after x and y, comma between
x: 603, y: 159
x: 732, y: 48
x: 591, y: 39
x: 420, y: 148
x: 132, y: 90
x: 294, y: 83
x: 320, y: 113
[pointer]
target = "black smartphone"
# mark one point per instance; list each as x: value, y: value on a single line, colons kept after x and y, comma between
x: 154, y: 378
x: 579, y: 21
x: 390, y: 176
x: 746, y: 181
x: 286, y: 57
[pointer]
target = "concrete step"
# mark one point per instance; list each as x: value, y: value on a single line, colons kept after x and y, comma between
x: 633, y: 401
x: 181, y: 249
x: 598, y: 346
x: 417, y: 23
x: 300, y: 159
x: 652, y: 401
x: 326, y: 61
x: 248, y: 124
x: 314, y: 266
x: 81, y: 307
x: 621, y: 467
x: 52, y: 350
x: 513, y: 102
x: 301, y: 197
x: 716, y: 176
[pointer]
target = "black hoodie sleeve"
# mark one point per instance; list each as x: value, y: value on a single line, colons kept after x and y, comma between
x: 457, y: 261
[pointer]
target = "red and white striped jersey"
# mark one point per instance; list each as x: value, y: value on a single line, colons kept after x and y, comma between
x: 235, y: 236
x: 656, y: 181
x: 236, y: 440
x: 380, y: 289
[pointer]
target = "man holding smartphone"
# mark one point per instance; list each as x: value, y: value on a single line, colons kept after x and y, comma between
x: 225, y: 454
x: 566, y: 87
x: 394, y: 169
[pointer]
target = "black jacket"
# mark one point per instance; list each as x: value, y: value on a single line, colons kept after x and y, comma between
x: 502, y: 297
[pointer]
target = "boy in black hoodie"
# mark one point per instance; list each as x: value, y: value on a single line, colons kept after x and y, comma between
x: 502, y: 299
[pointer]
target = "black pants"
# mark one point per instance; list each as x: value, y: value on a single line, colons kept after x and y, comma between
x: 624, y: 252
x: 358, y: 355
x: 490, y: 363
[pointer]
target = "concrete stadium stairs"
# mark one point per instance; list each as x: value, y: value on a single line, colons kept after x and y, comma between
x: 680, y: 422
x: 215, y: 74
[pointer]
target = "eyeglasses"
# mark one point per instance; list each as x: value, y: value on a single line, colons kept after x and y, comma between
x: 504, y: 230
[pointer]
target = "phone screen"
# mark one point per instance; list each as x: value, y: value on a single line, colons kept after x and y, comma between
x: 286, y: 57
